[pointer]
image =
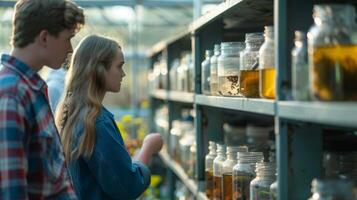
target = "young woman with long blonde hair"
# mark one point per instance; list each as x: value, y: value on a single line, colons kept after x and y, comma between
x: 99, y: 164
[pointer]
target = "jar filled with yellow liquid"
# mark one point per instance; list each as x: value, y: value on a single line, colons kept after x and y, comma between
x: 217, y: 171
x: 249, y: 63
x: 267, y: 74
x: 227, y: 169
x: 209, y: 169
x: 332, y: 49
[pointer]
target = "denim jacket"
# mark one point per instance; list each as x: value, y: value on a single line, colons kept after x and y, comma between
x: 109, y: 172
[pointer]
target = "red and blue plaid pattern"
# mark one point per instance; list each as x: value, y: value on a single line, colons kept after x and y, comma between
x: 32, y: 164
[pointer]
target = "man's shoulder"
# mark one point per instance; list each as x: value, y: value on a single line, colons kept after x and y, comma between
x: 10, y: 80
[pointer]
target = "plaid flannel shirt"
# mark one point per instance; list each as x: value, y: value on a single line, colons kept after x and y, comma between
x: 32, y: 164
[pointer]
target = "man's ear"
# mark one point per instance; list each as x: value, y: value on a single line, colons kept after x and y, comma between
x: 43, y: 38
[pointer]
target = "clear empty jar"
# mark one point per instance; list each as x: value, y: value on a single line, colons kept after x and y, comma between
x: 214, y: 66
x: 331, y: 189
x: 267, y: 72
x: 300, y: 68
x: 332, y: 51
x: 243, y: 174
x: 209, y: 169
x: 217, y: 171
x: 274, y: 191
x: 249, y: 63
x: 260, y: 186
x: 228, y: 68
x: 206, y: 73
x: 227, y: 183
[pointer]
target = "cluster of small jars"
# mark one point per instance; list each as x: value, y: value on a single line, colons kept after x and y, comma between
x: 241, y: 69
x: 181, y: 73
x: 182, y: 143
x: 157, y: 76
x: 232, y: 172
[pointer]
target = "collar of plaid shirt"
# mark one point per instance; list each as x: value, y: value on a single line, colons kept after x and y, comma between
x: 29, y: 75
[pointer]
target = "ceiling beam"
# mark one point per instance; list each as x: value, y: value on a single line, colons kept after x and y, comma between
x: 130, y: 3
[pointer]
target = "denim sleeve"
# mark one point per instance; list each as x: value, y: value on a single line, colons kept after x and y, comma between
x: 112, y: 166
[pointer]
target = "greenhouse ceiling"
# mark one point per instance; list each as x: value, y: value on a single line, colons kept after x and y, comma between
x: 136, y: 24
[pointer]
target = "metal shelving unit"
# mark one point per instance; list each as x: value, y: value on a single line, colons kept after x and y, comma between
x: 328, y: 113
x: 183, y: 97
x: 177, y: 169
x: 299, y: 126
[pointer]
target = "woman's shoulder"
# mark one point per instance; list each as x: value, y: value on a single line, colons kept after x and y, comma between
x: 104, y: 116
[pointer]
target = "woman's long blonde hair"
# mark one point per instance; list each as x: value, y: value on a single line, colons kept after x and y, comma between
x: 84, y: 92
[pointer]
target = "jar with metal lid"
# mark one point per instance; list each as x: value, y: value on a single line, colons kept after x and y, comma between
x: 228, y: 68
x: 227, y: 168
x: 217, y: 171
x: 260, y: 186
x: 249, y: 63
x: 267, y: 72
x: 331, y: 189
x: 332, y: 49
x: 206, y: 73
x: 274, y: 191
x: 214, y: 66
x: 209, y: 169
x: 300, y: 69
x: 243, y: 173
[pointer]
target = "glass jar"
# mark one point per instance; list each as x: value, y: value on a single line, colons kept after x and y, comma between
x: 258, y: 138
x: 330, y: 189
x: 260, y: 186
x: 234, y: 133
x: 175, y: 136
x: 182, y: 73
x: 209, y: 169
x: 173, y: 74
x: 206, y: 74
x: 227, y: 168
x: 243, y: 173
x: 186, y: 141
x: 228, y: 68
x: 300, y: 69
x: 332, y: 53
x: 249, y: 63
x: 191, y: 73
x: 217, y: 171
x: 274, y: 191
x: 192, y: 161
x: 267, y: 70
x: 214, y: 66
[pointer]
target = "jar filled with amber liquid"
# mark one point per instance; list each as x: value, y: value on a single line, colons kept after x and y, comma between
x: 332, y: 49
x: 244, y: 173
x: 249, y: 63
x: 227, y: 168
x: 209, y: 169
x: 217, y: 171
x: 267, y: 71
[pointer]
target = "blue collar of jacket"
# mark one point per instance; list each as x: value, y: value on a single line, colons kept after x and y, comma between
x: 28, y: 74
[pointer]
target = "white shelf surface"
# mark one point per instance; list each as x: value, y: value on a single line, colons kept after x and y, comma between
x: 259, y: 106
x: 329, y: 113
